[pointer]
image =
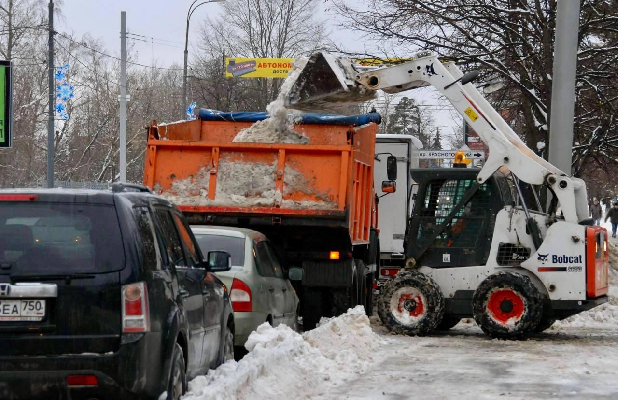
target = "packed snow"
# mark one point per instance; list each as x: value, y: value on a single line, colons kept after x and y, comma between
x: 247, y: 184
x: 283, y: 364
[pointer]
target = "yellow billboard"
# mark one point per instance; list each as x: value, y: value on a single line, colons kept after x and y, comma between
x: 239, y: 67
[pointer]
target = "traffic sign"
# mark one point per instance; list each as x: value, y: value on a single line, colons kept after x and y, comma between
x: 6, y: 100
x: 433, y: 154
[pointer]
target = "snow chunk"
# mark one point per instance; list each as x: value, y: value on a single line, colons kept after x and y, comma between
x: 282, y: 364
x: 275, y: 129
x: 540, y: 145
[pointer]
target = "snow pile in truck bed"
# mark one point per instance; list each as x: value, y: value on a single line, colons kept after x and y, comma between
x: 282, y: 364
x: 245, y: 184
x: 276, y: 129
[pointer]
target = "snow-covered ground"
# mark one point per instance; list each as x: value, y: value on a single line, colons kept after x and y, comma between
x: 354, y: 357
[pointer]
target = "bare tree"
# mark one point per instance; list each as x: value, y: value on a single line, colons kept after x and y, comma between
x: 512, y: 42
x: 254, y: 28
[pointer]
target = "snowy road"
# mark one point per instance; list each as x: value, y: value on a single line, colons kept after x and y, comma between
x: 569, y: 362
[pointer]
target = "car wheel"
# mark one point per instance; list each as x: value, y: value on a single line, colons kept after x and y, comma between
x: 507, y: 305
x: 177, y: 385
x: 411, y: 303
x: 228, y: 345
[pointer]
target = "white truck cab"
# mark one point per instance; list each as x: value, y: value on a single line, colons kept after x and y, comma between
x: 394, y: 209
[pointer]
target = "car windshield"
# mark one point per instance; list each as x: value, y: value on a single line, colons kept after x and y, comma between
x: 59, y: 238
x: 235, y: 246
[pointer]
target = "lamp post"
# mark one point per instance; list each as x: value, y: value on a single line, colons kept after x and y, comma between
x: 192, y: 9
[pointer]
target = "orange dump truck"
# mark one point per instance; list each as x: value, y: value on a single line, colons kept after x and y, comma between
x: 315, y: 201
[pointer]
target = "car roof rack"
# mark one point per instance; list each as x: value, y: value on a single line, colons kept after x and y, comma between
x: 118, y: 187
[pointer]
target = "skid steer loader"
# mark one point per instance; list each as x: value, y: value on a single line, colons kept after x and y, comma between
x: 479, y: 243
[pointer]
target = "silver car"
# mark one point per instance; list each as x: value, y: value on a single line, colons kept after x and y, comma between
x: 259, y: 289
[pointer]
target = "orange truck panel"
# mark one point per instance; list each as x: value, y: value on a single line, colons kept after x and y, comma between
x: 332, y: 176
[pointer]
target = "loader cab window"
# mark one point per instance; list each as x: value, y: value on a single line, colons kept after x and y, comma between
x: 466, y: 234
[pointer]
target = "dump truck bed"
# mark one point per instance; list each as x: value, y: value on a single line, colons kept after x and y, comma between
x: 328, y: 181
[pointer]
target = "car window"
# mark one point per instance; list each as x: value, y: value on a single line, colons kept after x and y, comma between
x: 42, y: 237
x: 151, y: 258
x: 262, y: 260
x: 171, y: 238
x: 187, y: 241
x: 235, y: 247
x: 278, y: 271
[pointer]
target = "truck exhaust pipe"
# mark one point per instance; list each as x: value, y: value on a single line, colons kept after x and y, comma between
x: 327, y: 84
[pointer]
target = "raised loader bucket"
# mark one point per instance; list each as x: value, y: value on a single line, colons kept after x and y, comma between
x: 327, y: 84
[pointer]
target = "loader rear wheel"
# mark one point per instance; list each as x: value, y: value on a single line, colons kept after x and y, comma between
x: 411, y: 303
x: 507, y: 305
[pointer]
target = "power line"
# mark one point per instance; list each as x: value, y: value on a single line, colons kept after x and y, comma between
x: 114, y: 57
x: 154, y: 38
x: 86, y: 66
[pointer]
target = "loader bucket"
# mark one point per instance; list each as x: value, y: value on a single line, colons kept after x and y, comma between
x: 327, y: 84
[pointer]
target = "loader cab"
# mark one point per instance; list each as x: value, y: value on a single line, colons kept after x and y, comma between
x: 466, y: 240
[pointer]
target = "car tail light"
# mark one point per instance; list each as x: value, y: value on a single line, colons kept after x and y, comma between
x: 18, y: 197
x: 135, y: 311
x: 240, y: 295
x: 82, y: 380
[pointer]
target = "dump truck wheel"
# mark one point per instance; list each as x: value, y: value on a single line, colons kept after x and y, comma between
x: 545, y: 324
x: 507, y: 305
x: 312, y: 308
x: 448, y: 323
x: 369, y: 279
x: 346, y: 298
x: 411, y: 303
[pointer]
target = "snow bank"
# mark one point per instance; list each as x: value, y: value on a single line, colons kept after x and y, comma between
x: 282, y: 364
x: 604, y: 316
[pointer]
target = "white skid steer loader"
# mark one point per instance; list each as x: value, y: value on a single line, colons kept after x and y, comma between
x: 479, y: 243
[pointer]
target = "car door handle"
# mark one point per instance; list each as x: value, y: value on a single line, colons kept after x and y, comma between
x: 183, y: 293
x: 271, y: 290
x: 284, y: 290
x: 206, y: 293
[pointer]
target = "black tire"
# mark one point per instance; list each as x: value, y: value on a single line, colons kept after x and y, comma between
x: 226, y: 351
x: 312, y: 307
x: 544, y: 324
x: 447, y: 323
x: 411, y: 294
x: 507, y: 305
x: 239, y: 352
x: 177, y: 384
x: 369, y: 280
x: 346, y: 298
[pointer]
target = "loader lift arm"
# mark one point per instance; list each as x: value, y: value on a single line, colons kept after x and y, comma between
x: 342, y: 81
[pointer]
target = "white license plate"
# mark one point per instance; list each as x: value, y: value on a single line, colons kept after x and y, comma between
x: 22, y: 310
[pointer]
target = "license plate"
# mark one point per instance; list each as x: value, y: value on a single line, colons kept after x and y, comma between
x: 22, y: 310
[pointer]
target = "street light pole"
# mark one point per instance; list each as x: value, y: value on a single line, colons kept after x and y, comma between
x: 192, y: 9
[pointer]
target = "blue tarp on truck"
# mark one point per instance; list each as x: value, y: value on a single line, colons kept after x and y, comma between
x: 305, y: 118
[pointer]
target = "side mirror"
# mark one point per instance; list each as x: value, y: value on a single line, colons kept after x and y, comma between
x: 389, y: 186
x: 391, y: 168
x: 295, y: 274
x: 219, y: 261
x: 469, y: 77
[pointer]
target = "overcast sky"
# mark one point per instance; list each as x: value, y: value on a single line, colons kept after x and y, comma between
x: 162, y: 25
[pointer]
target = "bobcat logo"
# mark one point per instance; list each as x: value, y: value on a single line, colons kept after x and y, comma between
x: 542, y: 257
x: 429, y: 70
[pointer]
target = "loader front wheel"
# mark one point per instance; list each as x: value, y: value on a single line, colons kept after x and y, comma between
x: 411, y: 303
x: 507, y: 305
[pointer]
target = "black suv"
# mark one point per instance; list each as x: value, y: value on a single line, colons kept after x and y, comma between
x: 105, y: 295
